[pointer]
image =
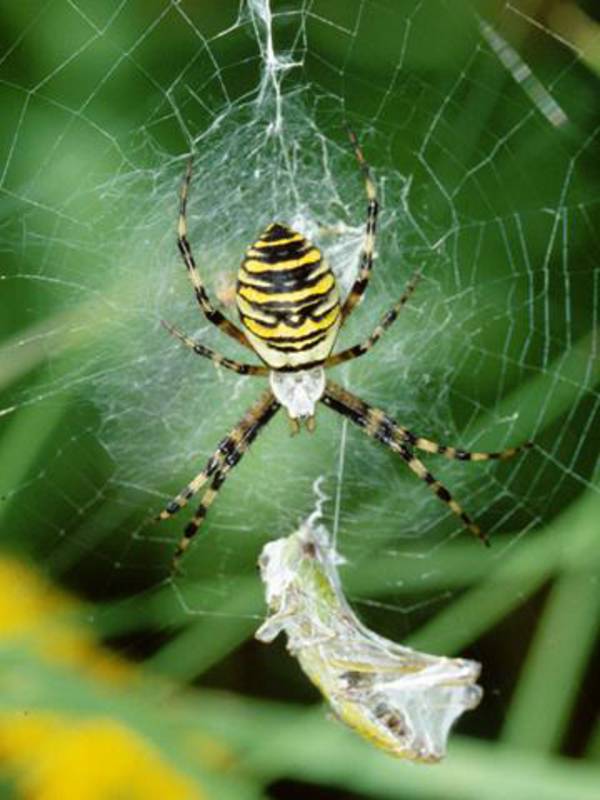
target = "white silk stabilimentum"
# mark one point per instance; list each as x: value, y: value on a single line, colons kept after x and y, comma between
x: 402, y: 701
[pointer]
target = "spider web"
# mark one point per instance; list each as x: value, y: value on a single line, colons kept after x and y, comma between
x: 484, y: 160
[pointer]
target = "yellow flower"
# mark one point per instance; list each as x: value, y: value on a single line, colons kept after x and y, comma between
x: 33, y: 609
x: 55, y: 751
x: 65, y: 758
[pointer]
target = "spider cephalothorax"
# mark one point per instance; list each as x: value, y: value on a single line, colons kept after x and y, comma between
x: 291, y: 313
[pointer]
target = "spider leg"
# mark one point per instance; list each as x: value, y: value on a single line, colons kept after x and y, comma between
x: 228, y: 452
x: 366, y: 256
x: 185, y: 495
x: 210, y: 312
x: 429, y: 446
x: 386, y: 321
x: 384, y: 429
x: 217, y: 359
x: 210, y: 495
x: 223, y: 460
x: 191, y: 529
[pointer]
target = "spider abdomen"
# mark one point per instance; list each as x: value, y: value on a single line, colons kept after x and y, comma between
x: 288, y: 300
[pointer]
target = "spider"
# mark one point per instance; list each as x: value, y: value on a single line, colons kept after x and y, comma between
x: 291, y: 313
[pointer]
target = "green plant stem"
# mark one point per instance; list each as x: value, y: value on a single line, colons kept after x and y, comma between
x: 571, y: 538
x: 557, y: 659
x: 279, y: 741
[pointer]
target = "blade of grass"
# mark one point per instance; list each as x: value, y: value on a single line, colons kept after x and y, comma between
x: 23, y: 442
x: 38, y: 343
x: 214, y: 636
x: 145, y: 707
x: 560, y: 386
x: 463, y: 564
x: 515, y: 578
x: 305, y: 745
x: 518, y: 575
x: 66, y: 330
x: 593, y: 750
x: 556, y: 663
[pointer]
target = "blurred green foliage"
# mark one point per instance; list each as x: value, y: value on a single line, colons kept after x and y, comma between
x: 90, y: 91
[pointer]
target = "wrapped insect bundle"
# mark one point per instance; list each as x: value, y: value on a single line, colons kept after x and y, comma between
x: 403, y: 701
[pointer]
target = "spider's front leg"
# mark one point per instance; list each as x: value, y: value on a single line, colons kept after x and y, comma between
x: 185, y: 248
x: 386, y: 321
x: 378, y: 425
x: 368, y: 248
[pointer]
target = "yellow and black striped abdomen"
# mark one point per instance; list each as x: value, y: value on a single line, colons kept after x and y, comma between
x: 288, y: 300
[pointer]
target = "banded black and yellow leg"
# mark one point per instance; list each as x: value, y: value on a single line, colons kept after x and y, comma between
x: 368, y: 248
x: 210, y: 312
x: 191, y: 529
x: 194, y: 486
x: 223, y: 460
x: 384, y: 429
x: 217, y: 359
x: 437, y: 487
x: 386, y: 321
x: 455, y: 453
x: 228, y: 452
x: 227, y: 464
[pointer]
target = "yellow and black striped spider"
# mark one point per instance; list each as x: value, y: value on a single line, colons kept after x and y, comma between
x: 291, y: 313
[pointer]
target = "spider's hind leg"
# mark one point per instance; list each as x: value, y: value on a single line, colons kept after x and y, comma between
x: 191, y: 529
x: 223, y: 460
x: 438, y: 488
x: 456, y: 453
x: 379, y: 426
